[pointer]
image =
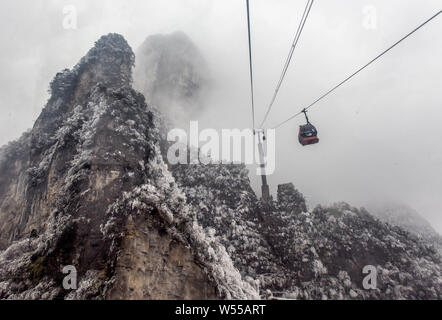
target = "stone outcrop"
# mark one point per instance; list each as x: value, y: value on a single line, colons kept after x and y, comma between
x: 87, y: 187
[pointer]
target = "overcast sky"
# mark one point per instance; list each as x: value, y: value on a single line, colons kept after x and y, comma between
x: 380, y: 133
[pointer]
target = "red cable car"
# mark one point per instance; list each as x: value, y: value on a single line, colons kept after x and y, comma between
x: 307, y: 132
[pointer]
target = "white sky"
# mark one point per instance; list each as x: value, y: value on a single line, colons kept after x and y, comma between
x: 380, y: 134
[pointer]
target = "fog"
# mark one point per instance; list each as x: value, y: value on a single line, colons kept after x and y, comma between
x: 380, y: 133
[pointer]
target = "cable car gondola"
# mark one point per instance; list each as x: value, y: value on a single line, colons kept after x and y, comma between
x: 307, y: 132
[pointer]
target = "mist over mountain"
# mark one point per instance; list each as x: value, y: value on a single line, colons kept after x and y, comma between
x: 172, y: 74
x: 408, y: 219
x: 89, y: 186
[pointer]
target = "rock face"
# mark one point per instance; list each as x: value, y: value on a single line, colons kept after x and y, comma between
x: 172, y: 75
x: 299, y: 254
x: 290, y: 199
x: 88, y: 187
x: 65, y: 137
x: 144, y: 273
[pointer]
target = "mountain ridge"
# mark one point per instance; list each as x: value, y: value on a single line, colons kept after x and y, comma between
x: 89, y: 186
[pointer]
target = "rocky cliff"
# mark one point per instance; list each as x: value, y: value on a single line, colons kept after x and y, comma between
x: 299, y: 254
x: 89, y: 187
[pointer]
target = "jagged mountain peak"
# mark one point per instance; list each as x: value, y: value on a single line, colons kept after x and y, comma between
x: 107, y: 66
x: 290, y: 199
x: 112, y: 43
x: 111, y: 59
x: 109, y: 63
x: 90, y: 189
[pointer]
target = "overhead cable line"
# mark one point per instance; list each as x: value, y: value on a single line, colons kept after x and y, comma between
x: 359, y: 70
x: 289, y: 57
x: 251, y: 65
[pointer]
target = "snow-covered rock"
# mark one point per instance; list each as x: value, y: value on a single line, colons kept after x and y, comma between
x: 88, y: 186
